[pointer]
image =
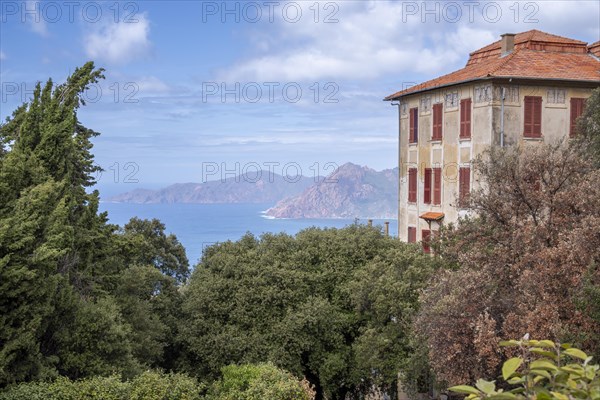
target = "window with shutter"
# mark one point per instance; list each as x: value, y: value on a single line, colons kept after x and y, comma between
x: 427, y: 187
x: 465, y: 118
x: 576, y: 112
x: 437, y: 186
x: 437, y: 122
x: 533, y: 117
x: 464, y: 185
x: 412, y: 234
x: 412, y: 185
x: 425, y: 239
x: 414, y: 125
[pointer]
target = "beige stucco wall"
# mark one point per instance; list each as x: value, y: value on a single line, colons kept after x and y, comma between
x: 452, y: 152
x: 555, y: 117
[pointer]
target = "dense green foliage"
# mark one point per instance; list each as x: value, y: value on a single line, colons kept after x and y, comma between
x: 147, y: 386
x: 257, y: 382
x: 332, y: 305
x: 543, y: 370
x: 79, y: 297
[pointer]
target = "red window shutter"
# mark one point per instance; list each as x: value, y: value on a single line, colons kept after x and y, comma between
x: 412, y: 234
x: 425, y: 238
x: 527, y: 117
x: 411, y: 123
x: 412, y: 185
x: 427, y: 187
x: 533, y: 117
x: 464, y: 184
x: 437, y: 186
x: 414, y: 125
x: 465, y: 118
x: 437, y: 121
x: 537, y: 117
x: 576, y: 111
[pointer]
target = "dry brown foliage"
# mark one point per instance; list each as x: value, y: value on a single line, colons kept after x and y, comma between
x: 517, y: 266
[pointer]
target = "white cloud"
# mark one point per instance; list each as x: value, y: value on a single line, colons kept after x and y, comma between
x: 153, y: 85
x: 370, y: 40
x: 121, y: 42
x: 381, y: 38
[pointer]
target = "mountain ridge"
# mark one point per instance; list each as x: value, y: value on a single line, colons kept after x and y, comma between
x: 265, y: 187
x: 351, y: 191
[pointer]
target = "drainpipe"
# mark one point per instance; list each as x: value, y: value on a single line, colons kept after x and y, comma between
x: 399, y: 104
x: 502, y: 116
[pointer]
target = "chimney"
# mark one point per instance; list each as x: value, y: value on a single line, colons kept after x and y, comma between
x: 507, y: 43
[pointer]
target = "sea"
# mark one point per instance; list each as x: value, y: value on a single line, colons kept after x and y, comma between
x: 200, y: 225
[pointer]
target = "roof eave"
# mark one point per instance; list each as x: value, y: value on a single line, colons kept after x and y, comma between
x: 397, y: 97
x: 520, y: 79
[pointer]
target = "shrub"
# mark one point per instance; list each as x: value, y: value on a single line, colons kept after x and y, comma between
x: 96, y: 388
x: 148, y: 386
x: 544, y: 371
x: 259, y: 382
x: 27, y: 391
x: 153, y: 385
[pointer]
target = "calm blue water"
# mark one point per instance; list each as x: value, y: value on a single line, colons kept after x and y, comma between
x: 200, y: 225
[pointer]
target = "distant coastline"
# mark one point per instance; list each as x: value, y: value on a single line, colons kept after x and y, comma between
x: 351, y: 191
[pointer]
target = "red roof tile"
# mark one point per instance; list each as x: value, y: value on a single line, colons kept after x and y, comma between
x: 594, y: 48
x: 537, y: 55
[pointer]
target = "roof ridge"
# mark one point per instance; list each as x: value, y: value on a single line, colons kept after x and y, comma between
x: 559, y: 36
x: 530, y: 36
x: 524, y: 62
x: 505, y: 60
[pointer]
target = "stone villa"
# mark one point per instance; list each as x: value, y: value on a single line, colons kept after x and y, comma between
x: 525, y: 88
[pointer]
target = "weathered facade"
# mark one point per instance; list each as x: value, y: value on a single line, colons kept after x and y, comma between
x: 524, y: 89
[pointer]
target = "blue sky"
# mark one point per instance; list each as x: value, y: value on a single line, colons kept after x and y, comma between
x: 190, y: 83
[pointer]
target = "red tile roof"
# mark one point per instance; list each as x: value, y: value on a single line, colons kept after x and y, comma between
x: 594, y: 48
x: 537, y: 55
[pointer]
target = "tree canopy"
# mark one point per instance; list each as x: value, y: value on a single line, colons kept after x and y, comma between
x: 319, y: 305
x: 521, y: 265
x: 79, y: 296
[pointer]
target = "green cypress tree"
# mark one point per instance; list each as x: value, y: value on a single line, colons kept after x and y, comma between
x: 56, y: 251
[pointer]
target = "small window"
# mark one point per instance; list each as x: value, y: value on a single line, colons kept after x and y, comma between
x: 451, y: 100
x: 437, y: 122
x: 533, y: 117
x: 425, y: 240
x: 556, y: 96
x: 437, y: 186
x: 412, y: 185
x: 425, y: 104
x: 577, y: 105
x: 464, y: 185
x: 413, y: 136
x: 465, y: 119
x: 483, y: 94
x: 412, y: 234
x: 427, y: 187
